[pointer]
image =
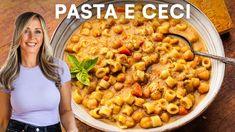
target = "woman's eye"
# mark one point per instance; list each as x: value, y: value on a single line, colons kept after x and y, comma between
x: 26, y: 31
x: 38, y: 32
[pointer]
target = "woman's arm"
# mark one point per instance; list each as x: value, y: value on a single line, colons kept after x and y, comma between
x: 5, y: 111
x: 66, y: 114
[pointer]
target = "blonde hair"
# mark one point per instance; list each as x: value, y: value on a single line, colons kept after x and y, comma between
x: 11, y: 67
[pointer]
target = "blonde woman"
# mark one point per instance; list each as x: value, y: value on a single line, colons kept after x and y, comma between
x: 35, y: 87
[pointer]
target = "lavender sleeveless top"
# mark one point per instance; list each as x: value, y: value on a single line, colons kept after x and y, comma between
x: 35, y: 99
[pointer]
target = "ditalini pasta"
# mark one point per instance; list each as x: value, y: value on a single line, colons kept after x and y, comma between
x: 142, y: 77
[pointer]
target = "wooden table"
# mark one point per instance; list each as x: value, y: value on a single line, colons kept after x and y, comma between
x: 220, y: 115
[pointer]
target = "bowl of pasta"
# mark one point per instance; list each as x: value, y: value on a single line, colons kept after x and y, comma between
x: 127, y: 75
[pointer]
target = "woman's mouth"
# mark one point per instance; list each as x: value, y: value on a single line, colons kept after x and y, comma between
x: 30, y: 44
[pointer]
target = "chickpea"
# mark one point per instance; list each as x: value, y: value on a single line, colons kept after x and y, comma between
x: 96, y: 33
x: 154, y: 57
x: 148, y: 47
x: 74, y: 39
x: 130, y: 122
x: 118, y: 29
x: 165, y: 117
x: 157, y: 110
x: 87, y: 25
x: 129, y: 79
x: 157, y: 37
x: 166, y: 40
x: 92, y: 103
x: 85, y: 31
x: 137, y: 56
x: 196, y: 82
x: 106, y: 32
x: 156, y: 95
x: 165, y: 74
x: 116, y: 44
x: 204, y: 75
x: 188, y: 55
x: 121, y: 77
x: 145, y: 122
x: 193, y: 38
x: 203, y: 88
x: 84, y: 101
x: 137, y: 116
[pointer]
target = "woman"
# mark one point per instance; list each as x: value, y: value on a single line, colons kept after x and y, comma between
x: 35, y: 87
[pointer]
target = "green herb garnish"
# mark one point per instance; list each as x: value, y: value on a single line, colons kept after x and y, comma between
x: 80, y: 70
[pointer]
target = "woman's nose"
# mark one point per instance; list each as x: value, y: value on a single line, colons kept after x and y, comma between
x: 31, y: 35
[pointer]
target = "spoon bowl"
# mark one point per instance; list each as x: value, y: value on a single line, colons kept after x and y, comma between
x: 225, y: 60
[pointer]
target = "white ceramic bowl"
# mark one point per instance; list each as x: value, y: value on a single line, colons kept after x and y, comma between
x: 208, y: 34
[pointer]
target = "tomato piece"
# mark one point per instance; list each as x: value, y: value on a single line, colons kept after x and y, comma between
x: 120, y: 9
x: 182, y: 111
x: 106, y: 78
x: 124, y: 50
x: 136, y: 90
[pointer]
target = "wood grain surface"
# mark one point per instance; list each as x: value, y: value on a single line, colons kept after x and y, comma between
x: 220, y: 115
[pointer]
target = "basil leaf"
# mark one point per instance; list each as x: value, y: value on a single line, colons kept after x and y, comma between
x: 89, y: 64
x: 83, y: 77
x: 75, y: 70
x: 80, y: 70
x: 72, y: 59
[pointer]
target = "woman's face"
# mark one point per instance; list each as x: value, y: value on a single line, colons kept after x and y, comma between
x: 32, y: 38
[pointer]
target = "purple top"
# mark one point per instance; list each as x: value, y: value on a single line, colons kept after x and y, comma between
x: 35, y: 99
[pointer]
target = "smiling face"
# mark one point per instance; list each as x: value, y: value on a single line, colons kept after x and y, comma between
x: 32, y: 37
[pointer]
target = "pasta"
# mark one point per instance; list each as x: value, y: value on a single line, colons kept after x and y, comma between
x: 127, y: 110
x: 142, y: 77
x: 172, y: 108
x: 149, y: 107
x: 95, y: 113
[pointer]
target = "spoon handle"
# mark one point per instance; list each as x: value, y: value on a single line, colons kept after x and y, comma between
x: 219, y: 58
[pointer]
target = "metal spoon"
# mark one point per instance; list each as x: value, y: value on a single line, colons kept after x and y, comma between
x: 219, y: 58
